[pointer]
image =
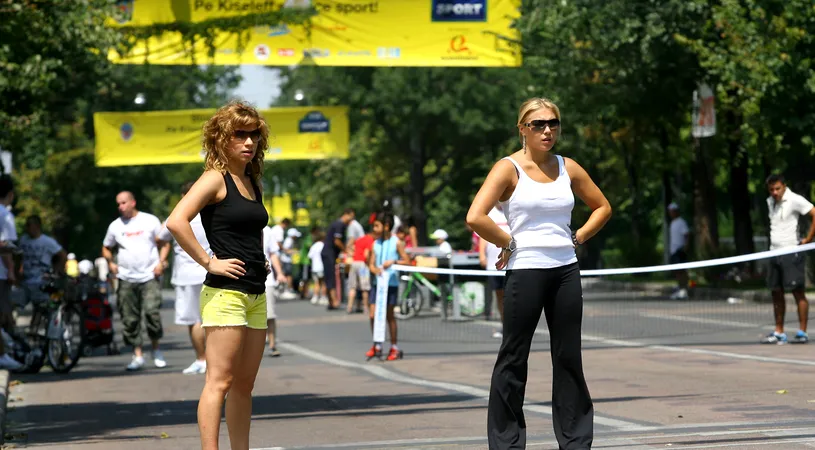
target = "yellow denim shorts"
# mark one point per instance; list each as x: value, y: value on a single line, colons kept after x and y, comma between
x: 225, y: 308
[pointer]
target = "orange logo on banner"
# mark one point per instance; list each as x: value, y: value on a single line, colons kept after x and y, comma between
x: 458, y: 44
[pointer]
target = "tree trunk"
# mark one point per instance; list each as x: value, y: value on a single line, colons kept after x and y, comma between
x: 706, y: 222
x: 417, y: 186
x: 740, y: 197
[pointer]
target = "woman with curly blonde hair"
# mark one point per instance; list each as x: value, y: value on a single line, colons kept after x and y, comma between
x: 233, y: 301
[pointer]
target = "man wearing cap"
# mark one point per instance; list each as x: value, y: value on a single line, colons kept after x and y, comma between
x: 679, y: 238
x: 440, y: 236
x: 287, y: 263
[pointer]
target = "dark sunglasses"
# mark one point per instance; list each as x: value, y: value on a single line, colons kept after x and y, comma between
x: 540, y: 125
x: 242, y: 135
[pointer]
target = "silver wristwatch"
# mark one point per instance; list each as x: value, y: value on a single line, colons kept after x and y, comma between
x: 512, y: 246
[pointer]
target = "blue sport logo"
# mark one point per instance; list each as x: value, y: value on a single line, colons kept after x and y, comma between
x: 315, y: 122
x: 459, y: 11
x: 126, y: 131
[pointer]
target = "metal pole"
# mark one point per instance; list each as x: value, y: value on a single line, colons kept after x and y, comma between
x: 456, y: 306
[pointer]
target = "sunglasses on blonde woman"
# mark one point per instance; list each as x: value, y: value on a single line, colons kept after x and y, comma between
x: 540, y: 125
x: 242, y: 135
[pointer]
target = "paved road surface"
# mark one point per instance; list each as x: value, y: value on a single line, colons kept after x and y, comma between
x: 664, y: 375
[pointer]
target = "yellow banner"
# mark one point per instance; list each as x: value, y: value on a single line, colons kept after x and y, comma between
x: 173, y: 137
x: 440, y: 33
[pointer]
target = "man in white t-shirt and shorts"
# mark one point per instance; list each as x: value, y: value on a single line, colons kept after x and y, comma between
x: 135, y: 238
x: 679, y: 238
x: 275, y: 280
x: 41, y: 253
x: 488, y: 256
x: 8, y: 233
x: 787, y: 272
x: 188, y: 280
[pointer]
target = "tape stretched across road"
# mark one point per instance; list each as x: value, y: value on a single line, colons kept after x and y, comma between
x: 625, y: 270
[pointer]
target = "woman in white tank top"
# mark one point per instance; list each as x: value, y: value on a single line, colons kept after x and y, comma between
x: 536, y: 191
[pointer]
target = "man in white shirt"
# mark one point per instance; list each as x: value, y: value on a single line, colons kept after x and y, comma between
x: 488, y: 254
x: 41, y: 253
x: 8, y: 233
x: 678, y: 241
x: 787, y: 272
x: 275, y: 279
x: 440, y: 236
x: 135, y: 238
x: 188, y: 280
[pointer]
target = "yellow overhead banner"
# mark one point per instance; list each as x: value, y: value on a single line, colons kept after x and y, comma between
x: 174, y: 137
x: 429, y: 33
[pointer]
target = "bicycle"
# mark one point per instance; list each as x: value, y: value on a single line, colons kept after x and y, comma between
x: 411, y: 299
x: 56, y: 331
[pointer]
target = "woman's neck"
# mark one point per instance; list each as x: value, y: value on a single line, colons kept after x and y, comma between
x: 541, y: 158
x: 386, y: 235
x: 236, y: 168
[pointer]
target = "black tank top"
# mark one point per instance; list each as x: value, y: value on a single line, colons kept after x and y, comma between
x: 234, y: 228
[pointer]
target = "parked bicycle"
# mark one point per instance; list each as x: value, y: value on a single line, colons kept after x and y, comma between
x: 411, y: 299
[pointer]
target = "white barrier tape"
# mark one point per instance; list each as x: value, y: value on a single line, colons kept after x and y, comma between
x: 625, y: 270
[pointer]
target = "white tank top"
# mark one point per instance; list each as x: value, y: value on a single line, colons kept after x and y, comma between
x: 539, y: 215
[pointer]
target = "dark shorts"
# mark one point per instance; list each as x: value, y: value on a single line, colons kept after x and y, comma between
x: 287, y: 268
x: 678, y: 257
x: 496, y: 283
x: 787, y: 272
x: 329, y: 266
x: 393, y: 295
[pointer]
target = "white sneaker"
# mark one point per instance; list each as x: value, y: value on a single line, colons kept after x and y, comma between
x: 681, y: 294
x: 137, y: 363
x: 197, y: 367
x: 314, y: 300
x: 9, y: 363
x: 498, y: 334
x: 158, y: 359
x: 323, y: 301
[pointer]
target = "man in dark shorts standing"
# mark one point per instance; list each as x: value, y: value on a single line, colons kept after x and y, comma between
x: 678, y: 246
x: 334, y: 244
x: 787, y: 273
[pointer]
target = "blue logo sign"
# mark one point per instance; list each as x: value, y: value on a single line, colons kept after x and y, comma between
x: 315, y: 122
x: 459, y: 11
x: 126, y: 131
x: 279, y: 30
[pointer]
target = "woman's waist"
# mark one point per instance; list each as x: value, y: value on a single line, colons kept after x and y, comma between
x: 541, y: 258
x: 555, y: 237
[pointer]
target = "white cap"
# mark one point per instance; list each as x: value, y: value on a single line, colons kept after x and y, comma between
x: 293, y: 232
x: 439, y: 234
x: 85, y: 267
x: 673, y: 207
x: 71, y: 256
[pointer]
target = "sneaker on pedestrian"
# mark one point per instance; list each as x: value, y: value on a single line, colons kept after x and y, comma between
x: 680, y: 294
x: 9, y: 363
x: 197, y: 367
x: 158, y: 359
x: 137, y: 363
x: 274, y: 352
x: 801, y: 337
x: 323, y: 301
x: 497, y: 334
x: 315, y: 299
x: 775, y: 338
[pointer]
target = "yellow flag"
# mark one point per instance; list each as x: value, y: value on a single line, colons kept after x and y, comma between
x: 173, y: 137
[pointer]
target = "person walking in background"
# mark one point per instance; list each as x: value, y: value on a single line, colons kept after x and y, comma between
x: 134, y: 236
x: 319, y: 293
x: 787, y: 273
x: 488, y: 257
x: 536, y: 189
x: 290, y: 247
x: 233, y: 300
x: 440, y: 236
x: 41, y: 254
x: 8, y: 272
x: 679, y: 242
x: 275, y: 280
x: 188, y: 280
x: 334, y: 244
x: 359, y: 277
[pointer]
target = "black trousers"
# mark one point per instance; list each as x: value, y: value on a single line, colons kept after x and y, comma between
x: 558, y: 293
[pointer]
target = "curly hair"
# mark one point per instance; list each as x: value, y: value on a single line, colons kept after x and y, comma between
x: 218, y: 132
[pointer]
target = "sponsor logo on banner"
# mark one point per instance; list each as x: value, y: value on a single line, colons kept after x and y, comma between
x: 316, y: 52
x: 458, y: 44
x: 314, y: 122
x: 262, y: 52
x: 279, y: 30
x: 459, y: 11
x: 124, y: 11
x: 389, y: 52
x: 285, y: 52
x: 126, y: 131
x: 354, y: 53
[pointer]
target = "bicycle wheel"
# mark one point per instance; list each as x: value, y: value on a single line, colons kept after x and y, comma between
x: 410, y: 303
x: 66, y: 337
